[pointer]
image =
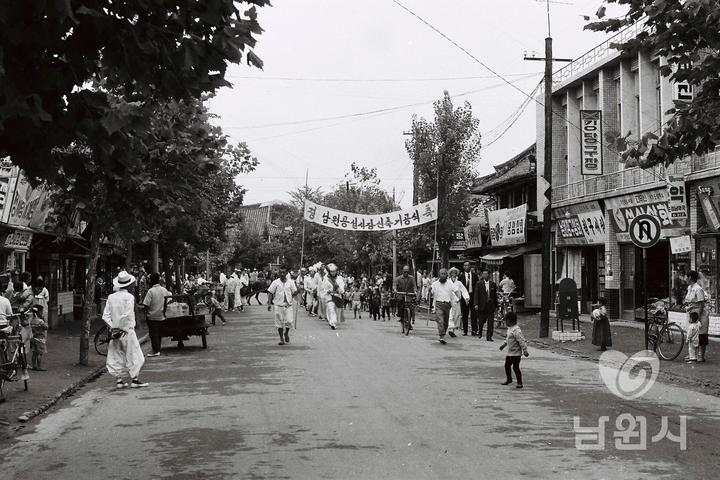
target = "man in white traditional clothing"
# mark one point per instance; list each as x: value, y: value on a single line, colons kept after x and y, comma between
x: 280, y: 297
x: 455, y: 320
x: 309, y: 286
x: 125, y: 357
x: 334, y: 288
x: 320, y: 293
x: 242, y: 284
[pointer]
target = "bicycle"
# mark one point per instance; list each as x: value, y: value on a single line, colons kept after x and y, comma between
x: 667, y: 338
x: 505, y: 305
x: 102, y: 338
x: 408, y: 316
x: 13, y: 358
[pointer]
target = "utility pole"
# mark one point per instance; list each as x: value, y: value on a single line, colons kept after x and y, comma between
x: 394, y: 234
x: 415, y: 173
x: 546, y: 185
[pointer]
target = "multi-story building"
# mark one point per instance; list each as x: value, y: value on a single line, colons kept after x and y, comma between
x: 604, y: 93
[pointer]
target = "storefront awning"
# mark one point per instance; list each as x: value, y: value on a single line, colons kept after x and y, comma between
x: 496, y: 257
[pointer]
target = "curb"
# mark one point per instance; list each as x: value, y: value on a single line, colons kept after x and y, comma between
x: 67, y: 391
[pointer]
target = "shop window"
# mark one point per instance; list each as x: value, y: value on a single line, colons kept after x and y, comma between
x: 680, y: 265
x: 706, y: 263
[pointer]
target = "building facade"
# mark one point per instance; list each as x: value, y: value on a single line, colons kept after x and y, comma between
x: 604, y: 94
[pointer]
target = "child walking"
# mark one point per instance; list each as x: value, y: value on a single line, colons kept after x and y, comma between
x: 385, y: 303
x: 38, y: 342
x: 693, y: 338
x: 517, y: 346
x: 216, y: 307
x: 356, y: 303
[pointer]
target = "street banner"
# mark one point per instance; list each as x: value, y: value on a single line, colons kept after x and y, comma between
x: 27, y: 202
x: 582, y: 224
x: 473, y: 237
x: 507, y: 225
x: 680, y: 244
x: 654, y: 203
x: 591, y: 142
x: 406, y: 218
x: 678, y: 200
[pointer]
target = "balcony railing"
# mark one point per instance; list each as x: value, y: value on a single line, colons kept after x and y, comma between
x: 635, y: 177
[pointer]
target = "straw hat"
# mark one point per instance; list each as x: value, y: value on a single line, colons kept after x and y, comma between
x: 124, y: 279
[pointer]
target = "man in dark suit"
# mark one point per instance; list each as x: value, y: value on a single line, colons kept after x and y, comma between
x: 469, y: 279
x: 485, y: 303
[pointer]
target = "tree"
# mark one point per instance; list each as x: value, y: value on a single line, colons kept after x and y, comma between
x: 685, y: 33
x: 174, y: 151
x: 446, y: 152
x: 53, y: 52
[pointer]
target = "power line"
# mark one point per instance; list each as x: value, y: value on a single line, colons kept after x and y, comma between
x: 373, y: 80
x: 372, y: 112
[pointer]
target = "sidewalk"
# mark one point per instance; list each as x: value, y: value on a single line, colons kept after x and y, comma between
x: 62, y: 377
x: 629, y: 338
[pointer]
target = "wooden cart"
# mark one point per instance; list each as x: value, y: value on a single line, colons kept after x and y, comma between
x: 180, y: 328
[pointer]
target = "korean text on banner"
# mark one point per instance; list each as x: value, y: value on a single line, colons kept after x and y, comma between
x: 406, y: 218
x: 507, y: 225
x: 591, y: 142
x: 473, y: 237
x: 654, y: 203
x: 582, y: 224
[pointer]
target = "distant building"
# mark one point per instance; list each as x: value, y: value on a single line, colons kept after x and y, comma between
x: 263, y: 218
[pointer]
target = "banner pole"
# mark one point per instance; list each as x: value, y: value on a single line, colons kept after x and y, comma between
x: 302, y: 244
x: 437, y: 195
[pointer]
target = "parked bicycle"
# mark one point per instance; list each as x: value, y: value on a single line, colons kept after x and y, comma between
x: 667, y: 338
x: 13, y: 357
x: 505, y: 305
x: 408, y: 316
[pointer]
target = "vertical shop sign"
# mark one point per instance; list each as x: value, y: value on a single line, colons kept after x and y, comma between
x: 677, y: 201
x: 591, y: 142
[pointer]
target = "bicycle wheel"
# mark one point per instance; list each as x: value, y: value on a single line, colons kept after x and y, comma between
x: 101, y: 341
x: 408, y: 320
x: 670, y: 342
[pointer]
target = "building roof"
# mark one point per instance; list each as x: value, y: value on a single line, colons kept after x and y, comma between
x: 521, y: 167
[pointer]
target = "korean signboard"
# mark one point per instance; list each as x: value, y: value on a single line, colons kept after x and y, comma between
x: 677, y: 199
x: 582, y: 224
x: 473, y: 236
x: 708, y: 195
x: 680, y: 244
x: 409, y: 217
x: 654, y: 203
x: 8, y: 178
x: 17, y: 240
x: 591, y: 142
x: 507, y: 225
x: 28, y: 204
x: 458, y: 245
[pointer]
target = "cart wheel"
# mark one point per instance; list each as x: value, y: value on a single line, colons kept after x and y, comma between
x: 204, y: 339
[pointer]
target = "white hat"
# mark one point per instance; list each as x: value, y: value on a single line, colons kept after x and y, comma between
x: 124, y: 279
x: 331, y: 267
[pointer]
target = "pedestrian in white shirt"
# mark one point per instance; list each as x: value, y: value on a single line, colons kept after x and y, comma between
x: 125, y: 357
x: 240, y: 288
x: 309, y: 286
x: 320, y: 293
x: 455, y: 320
x: 444, y: 294
x: 223, y: 282
x: 333, y: 287
x: 280, y: 298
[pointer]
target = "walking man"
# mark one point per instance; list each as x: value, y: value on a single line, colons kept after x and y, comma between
x: 154, y: 303
x: 443, y: 292
x: 469, y: 279
x: 280, y: 298
x: 310, y: 292
x: 242, y: 286
x: 333, y: 287
x: 125, y: 357
x: 405, y: 283
x: 485, y: 303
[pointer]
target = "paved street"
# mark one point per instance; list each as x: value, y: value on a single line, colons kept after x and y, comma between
x: 361, y: 402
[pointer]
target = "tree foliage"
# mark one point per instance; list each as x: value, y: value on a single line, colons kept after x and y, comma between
x: 53, y: 52
x: 446, y: 152
x: 687, y: 34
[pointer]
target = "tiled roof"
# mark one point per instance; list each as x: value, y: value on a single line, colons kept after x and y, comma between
x: 522, y: 166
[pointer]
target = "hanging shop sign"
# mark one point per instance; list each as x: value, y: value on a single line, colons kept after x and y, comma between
x: 654, y: 203
x: 683, y: 90
x: 677, y: 202
x: 8, y: 178
x: 591, y: 142
x: 680, y: 244
x: 708, y: 196
x: 473, y: 236
x: 582, y: 224
x: 27, y: 204
x: 17, y: 240
x: 409, y: 217
x: 508, y: 225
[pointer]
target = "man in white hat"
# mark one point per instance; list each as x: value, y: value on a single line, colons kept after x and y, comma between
x: 334, y: 288
x: 320, y: 292
x: 280, y: 297
x: 125, y: 357
x: 310, y: 289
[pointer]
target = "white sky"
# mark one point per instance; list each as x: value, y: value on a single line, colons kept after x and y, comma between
x: 376, y: 39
